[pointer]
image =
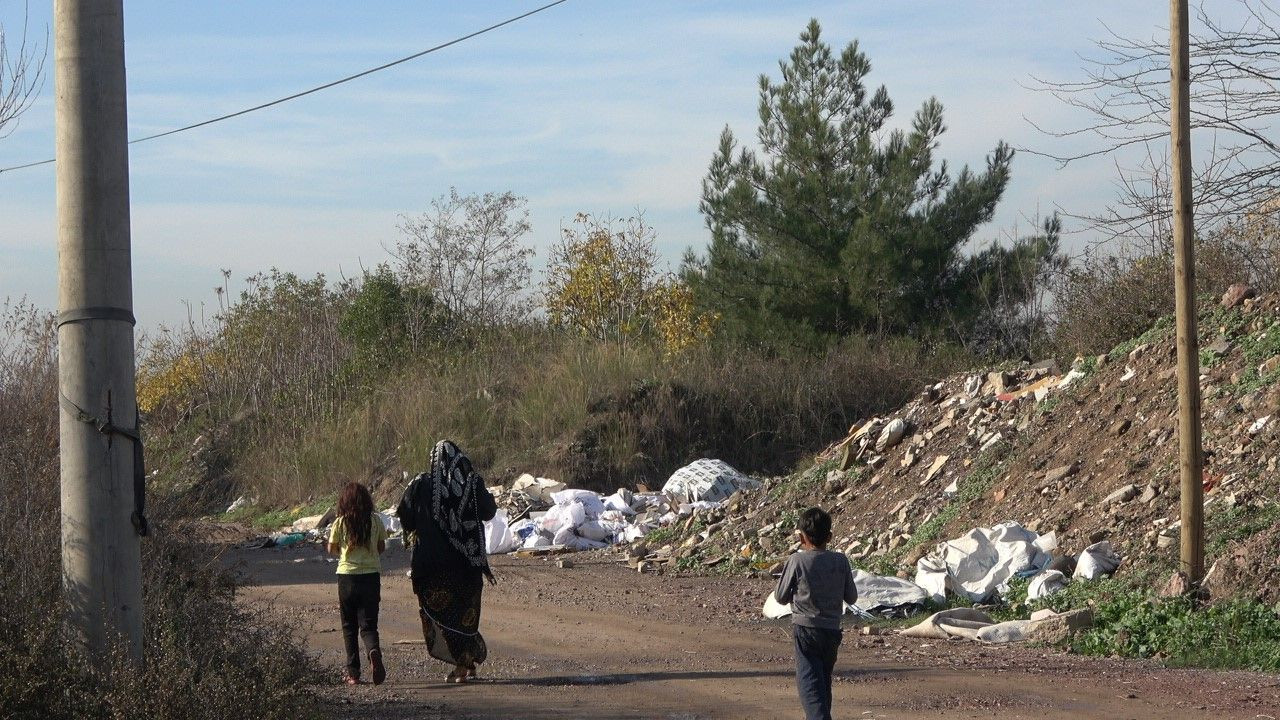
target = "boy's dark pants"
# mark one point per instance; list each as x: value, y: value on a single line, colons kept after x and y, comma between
x: 816, y: 651
x: 358, y: 598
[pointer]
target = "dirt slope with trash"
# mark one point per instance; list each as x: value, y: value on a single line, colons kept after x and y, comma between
x: 1088, y: 453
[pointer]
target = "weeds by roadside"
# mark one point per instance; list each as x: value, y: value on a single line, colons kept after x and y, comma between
x: 206, y: 655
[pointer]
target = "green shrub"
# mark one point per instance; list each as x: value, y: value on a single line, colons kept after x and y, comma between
x: 1131, y: 622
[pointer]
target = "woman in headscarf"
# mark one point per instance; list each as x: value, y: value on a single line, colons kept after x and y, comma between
x: 444, y: 510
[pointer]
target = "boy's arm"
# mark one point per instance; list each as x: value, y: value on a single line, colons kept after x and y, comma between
x: 786, y: 584
x: 382, y: 533
x: 850, y: 587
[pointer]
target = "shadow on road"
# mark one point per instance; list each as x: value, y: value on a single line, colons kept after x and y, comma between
x: 628, y: 678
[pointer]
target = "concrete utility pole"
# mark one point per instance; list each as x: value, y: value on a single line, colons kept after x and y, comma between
x: 1190, y: 448
x: 101, y: 515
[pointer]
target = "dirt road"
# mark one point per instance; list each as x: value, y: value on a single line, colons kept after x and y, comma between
x: 597, y: 640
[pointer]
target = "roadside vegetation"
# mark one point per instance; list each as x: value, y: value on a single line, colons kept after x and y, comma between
x: 206, y: 654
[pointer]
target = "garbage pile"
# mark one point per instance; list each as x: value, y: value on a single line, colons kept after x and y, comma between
x: 539, y: 514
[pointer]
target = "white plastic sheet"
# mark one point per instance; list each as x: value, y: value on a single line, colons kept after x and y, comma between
x: 878, y: 594
x: 971, y: 624
x: 980, y: 563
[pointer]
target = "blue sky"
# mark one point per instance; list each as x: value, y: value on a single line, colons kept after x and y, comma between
x: 595, y: 105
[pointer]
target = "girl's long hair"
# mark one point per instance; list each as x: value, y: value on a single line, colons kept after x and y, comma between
x: 355, y: 507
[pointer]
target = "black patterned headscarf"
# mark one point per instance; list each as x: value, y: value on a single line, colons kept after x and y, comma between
x: 454, y: 484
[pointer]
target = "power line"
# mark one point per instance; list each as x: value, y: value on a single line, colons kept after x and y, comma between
x: 318, y: 88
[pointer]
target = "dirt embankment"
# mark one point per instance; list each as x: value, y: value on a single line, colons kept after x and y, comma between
x: 1089, y: 452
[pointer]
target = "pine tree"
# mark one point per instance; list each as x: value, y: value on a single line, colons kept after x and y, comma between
x: 834, y: 226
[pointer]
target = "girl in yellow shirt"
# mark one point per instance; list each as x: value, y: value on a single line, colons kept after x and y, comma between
x: 358, y: 538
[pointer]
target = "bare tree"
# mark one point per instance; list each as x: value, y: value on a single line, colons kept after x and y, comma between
x: 21, y: 76
x: 1235, y: 93
x: 467, y: 251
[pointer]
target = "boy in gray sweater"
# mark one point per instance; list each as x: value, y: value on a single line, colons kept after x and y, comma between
x: 817, y: 583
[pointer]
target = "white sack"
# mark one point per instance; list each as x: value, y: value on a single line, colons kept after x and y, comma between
x: 931, y: 576
x: 563, y: 517
x: 563, y: 535
x: 590, y: 501
x: 498, y: 538
x: 876, y: 593
x: 1097, y: 560
x: 593, y: 530
x: 1046, y: 584
x: 537, y: 540
x: 773, y: 609
x: 621, y: 503
x: 522, y: 529
x: 705, y: 479
x: 391, y: 523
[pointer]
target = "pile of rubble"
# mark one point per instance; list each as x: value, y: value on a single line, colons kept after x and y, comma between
x: 1088, y: 454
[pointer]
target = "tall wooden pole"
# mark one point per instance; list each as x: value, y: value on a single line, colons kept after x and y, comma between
x: 1190, y: 450
x: 100, y: 541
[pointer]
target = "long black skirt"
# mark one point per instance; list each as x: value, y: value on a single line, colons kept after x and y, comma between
x: 449, y: 603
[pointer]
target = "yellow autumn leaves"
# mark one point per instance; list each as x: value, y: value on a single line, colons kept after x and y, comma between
x: 603, y: 283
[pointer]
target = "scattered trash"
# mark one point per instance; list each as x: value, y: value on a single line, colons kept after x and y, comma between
x: 287, y: 539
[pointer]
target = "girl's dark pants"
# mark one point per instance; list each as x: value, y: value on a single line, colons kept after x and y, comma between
x: 358, y: 598
x: 816, y: 651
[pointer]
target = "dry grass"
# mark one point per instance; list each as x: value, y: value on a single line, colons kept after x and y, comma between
x: 206, y: 656
x: 595, y: 414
